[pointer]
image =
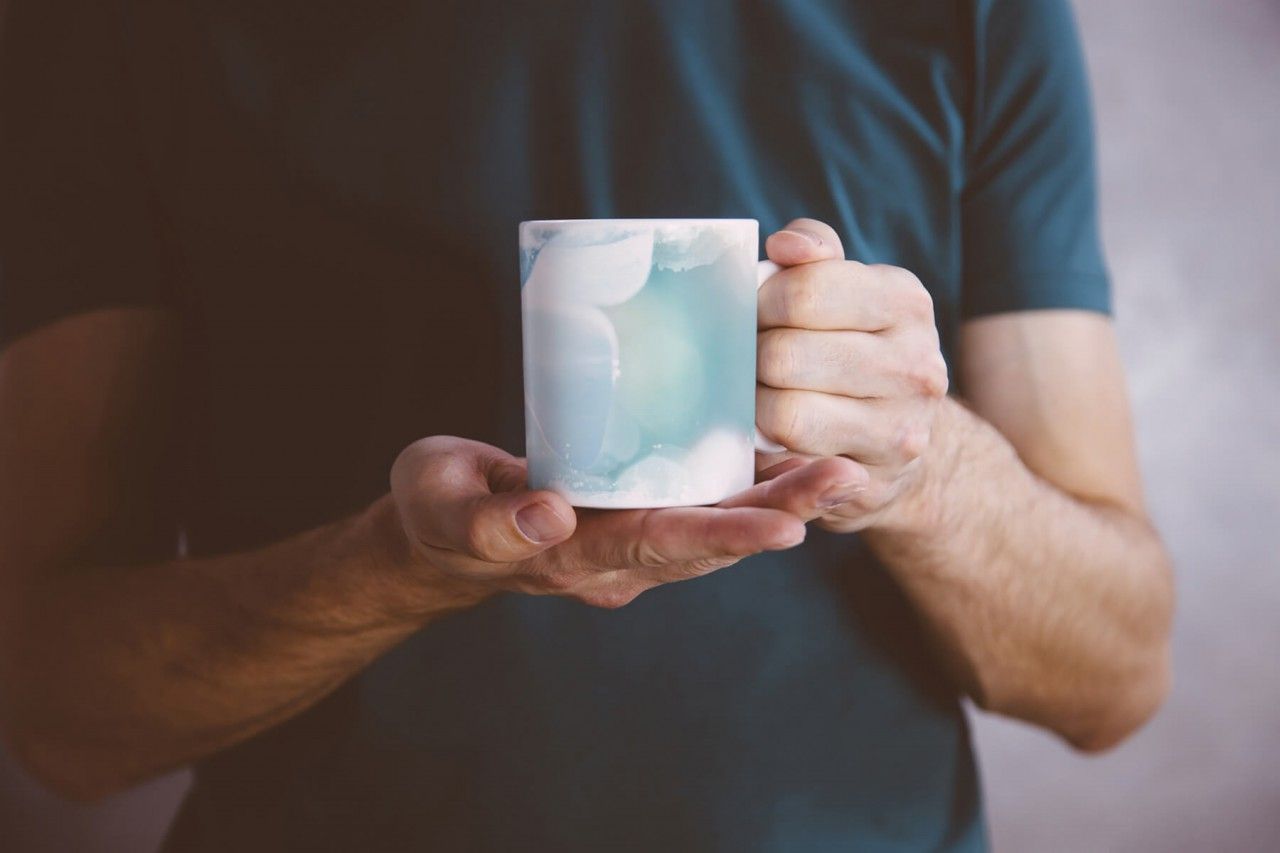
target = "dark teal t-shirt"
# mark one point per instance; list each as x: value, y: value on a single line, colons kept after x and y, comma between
x: 327, y: 193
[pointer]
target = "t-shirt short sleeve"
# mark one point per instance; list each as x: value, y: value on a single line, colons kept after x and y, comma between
x: 1029, y: 202
x: 78, y: 229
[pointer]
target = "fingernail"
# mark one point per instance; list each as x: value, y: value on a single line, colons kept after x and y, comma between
x: 839, y: 493
x: 539, y: 522
x: 803, y: 234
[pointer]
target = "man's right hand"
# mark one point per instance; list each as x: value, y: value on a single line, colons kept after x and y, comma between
x: 467, y: 514
x: 119, y: 659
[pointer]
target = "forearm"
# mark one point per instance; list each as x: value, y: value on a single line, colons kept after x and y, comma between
x: 1046, y: 607
x: 113, y: 674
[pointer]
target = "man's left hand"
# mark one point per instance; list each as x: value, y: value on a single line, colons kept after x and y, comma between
x: 848, y: 364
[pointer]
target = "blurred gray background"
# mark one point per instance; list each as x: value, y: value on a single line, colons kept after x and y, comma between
x: 1188, y: 104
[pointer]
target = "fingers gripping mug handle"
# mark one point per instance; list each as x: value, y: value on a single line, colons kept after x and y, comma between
x: 763, y: 270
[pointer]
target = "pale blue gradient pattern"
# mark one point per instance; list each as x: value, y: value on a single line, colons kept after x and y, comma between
x: 639, y: 359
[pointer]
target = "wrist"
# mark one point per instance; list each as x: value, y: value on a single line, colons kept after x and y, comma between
x: 410, y: 586
x: 920, y: 508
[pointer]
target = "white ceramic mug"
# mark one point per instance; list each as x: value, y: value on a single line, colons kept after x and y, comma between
x: 640, y: 358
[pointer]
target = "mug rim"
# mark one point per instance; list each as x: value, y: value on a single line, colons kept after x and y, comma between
x: 643, y: 221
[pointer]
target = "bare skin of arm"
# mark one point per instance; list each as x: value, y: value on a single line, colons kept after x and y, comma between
x: 1015, y: 524
x: 119, y: 660
x: 1025, y: 543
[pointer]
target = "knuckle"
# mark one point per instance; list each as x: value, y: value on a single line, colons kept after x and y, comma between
x: 940, y: 382
x: 914, y: 297
x: 420, y: 448
x: 912, y: 443
x: 612, y: 598
x: 706, y: 565
x: 867, y: 500
x: 644, y: 548
x: 871, y: 500
x: 776, y: 359
x: 787, y: 420
x: 425, y: 451
x: 645, y: 554
x: 802, y: 297
x: 508, y: 476
x: 922, y: 381
x: 926, y: 375
x: 434, y: 443
x: 919, y: 305
x: 407, y: 470
x: 911, y: 282
x: 837, y: 523
x: 479, y: 539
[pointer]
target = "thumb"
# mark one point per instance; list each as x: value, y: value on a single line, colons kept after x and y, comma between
x: 468, y: 497
x: 804, y: 241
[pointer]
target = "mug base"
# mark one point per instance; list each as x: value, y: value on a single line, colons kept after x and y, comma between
x: 623, y: 502
x: 652, y: 498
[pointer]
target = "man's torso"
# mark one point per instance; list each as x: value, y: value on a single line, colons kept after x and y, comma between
x: 341, y: 185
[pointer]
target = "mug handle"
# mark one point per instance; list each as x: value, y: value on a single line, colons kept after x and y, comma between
x: 764, y: 269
